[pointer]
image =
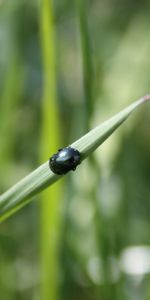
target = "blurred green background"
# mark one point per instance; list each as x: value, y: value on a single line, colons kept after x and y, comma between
x: 65, y: 66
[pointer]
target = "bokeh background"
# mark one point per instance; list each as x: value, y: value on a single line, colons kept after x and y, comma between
x: 66, y: 66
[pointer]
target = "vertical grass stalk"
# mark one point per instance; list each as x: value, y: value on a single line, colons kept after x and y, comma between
x: 86, y: 57
x: 49, y: 143
x: 9, y: 101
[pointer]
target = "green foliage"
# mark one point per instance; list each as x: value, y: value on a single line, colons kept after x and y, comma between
x: 66, y: 66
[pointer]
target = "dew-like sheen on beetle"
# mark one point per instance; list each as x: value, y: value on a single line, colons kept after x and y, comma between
x: 64, y: 160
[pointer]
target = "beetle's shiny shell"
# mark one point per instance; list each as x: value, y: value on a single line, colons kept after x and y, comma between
x: 64, y: 160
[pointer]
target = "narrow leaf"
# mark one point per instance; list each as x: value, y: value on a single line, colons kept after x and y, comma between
x: 42, y: 177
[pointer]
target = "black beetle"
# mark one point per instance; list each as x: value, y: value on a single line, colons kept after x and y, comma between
x: 64, y: 160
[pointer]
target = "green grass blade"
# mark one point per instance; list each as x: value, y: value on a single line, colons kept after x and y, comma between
x: 50, y: 204
x: 87, y: 63
x: 42, y: 177
x: 10, y: 98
